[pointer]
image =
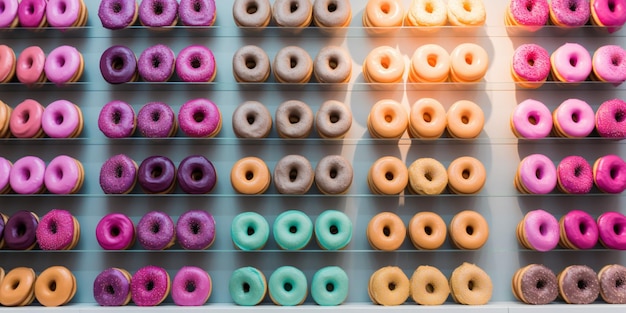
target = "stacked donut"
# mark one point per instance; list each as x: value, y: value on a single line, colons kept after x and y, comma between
x: 468, y: 284
x: 60, y: 14
x: 532, y: 65
x: 424, y: 13
x: 427, y: 230
x: 536, y: 174
x: 150, y: 285
x: 255, y: 14
x: 576, y: 284
x: 55, y: 286
x: 31, y: 175
x: 63, y: 65
x: 29, y: 119
x: 56, y: 230
x: 120, y: 14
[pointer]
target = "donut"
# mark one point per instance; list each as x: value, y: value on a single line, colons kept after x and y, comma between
x: 333, y: 119
x: 27, y: 175
x: 612, y: 230
x: 571, y: 63
x: 573, y: 118
x: 531, y: 119
x: 252, y: 13
x: 383, y: 64
x: 469, y: 230
x: 8, y: 15
x: 333, y: 175
x: 64, y: 175
x: 17, y: 287
x: 466, y: 12
x: 55, y: 286
x: 568, y: 13
x: 118, y: 14
x: 191, y: 286
x: 292, y: 65
x: 5, y: 119
x: 157, y: 120
x: 251, y: 64
x: 538, y: 230
x: 287, y: 286
x: 535, y: 284
x: 196, y: 175
x: 608, y: 13
x: 157, y: 175
x: 427, y: 176
x: 158, y: 13
x: 465, y: 119
x: 195, y: 230
x: 329, y: 286
x: 430, y: 63
x: 609, y: 174
x: 530, y: 65
x: 332, y: 13
x: 118, y: 65
x: 156, y: 63
x: 578, y: 230
x: 292, y: 230
x: 197, y: 13
x: 427, y: 231
x: 294, y: 119
x: 536, y: 174
x: 608, y: 64
x: 149, y: 286
x: 115, y: 231
x: 574, y: 175
x: 112, y: 287
x: 427, y: 119
x: 466, y: 175
x: 117, y: 119
x: 426, y: 13
x: 387, y: 119
x: 155, y: 231
x: 332, y: 65
x: 7, y: 63
x: 292, y: 13
x: 5, y: 170
x: 388, y: 176
x: 251, y: 119
x: 25, y: 121
x: 611, y: 119
x: 333, y: 230
x: 612, y: 288
x: 196, y: 63
x: 62, y: 119
x: 293, y: 174
x: 66, y: 13
x: 383, y: 13
x: 247, y: 286
x: 386, y: 231
x: 118, y: 175
x: 250, y: 176
x: 578, y: 284
x: 469, y: 284
x: 200, y: 118
x: 468, y: 61
x: 249, y: 231
x: 32, y: 13
x: 530, y: 15
x: 29, y: 67
x: 429, y: 286
x: 20, y: 231
x: 389, y: 286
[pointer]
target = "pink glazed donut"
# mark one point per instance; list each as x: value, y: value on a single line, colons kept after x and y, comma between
x: 27, y: 175
x: 578, y: 230
x: 197, y: 12
x: 571, y: 63
x: 117, y: 119
x: 63, y: 65
x: 8, y: 13
x: 64, y: 175
x: 609, y: 174
x: 530, y: 65
x: 569, y: 13
x: 531, y: 119
x: 574, y: 118
x: 609, y: 64
x: 541, y: 230
x: 191, y: 286
x: 536, y: 174
x: 115, y: 231
x: 7, y: 63
x: 5, y: 171
x: 609, y: 13
x: 57, y: 230
x: 62, y: 119
x: 196, y: 63
x: 65, y: 13
x: 30, y: 64
x: 200, y: 118
x: 612, y: 230
x: 149, y: 286
x: 158, y: 13
x: 25, y: 119
x: 611, y: 119
x: 32, y: 13
x: 574, y: 175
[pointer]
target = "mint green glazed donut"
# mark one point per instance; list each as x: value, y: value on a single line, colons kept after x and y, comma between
x: 247, y: 286
x: 288, y: 286
x: 292, y: 230
x: 329, y: 286
x: 249, y: 231
x: 333, y: 230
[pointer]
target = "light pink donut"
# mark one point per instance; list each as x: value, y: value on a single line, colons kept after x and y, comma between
x: 542, y: 230
x: 27, y: 175
x: 63, y: 64
x: 612, y: 230
x: 609, y: 64
x: 611, y: 119
x: 8, y: 13
x: 25, y: 119
x: 574, y: 118
x: 537, y: 174
x: 609, y: 13
x: 61, y: 119
x: 571, y: 63
x: 609, y: 174
x: 531, y: 119
x: 63, y: 175
x: 63, y: 13
x: 29, y: 67
x: 5, y: 171
x: 580, y: 229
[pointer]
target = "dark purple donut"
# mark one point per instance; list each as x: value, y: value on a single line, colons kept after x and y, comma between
x: 117, y: 119
x: 196, y: 175
x: 155, y: 231
x: 197, y: 12
x: 2, y: 222
x: 157, y: 174
x: 117, y: 14
x: 118, y: 65
x: 19, y: 231
x: 195, y: 230
x: 158, y: 13
x: 112, y: 287
x: 156, y: 119
x: 156, y: 63
x: 118, y: 174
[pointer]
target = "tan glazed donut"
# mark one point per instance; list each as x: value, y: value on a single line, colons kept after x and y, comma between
x: 386, y: 231
x: 292, y: 13
x: 427, y: 231
x: 389, y: 286
x: 250, y: 176
x: 384, y: 65
x: 383, y: 13
x: 333, y: 119
x: 252, y: 13
x: 387, y: 119
x: 468, y: 63
x: 469, y: 230
x: 469, y: 284
x: 294, y: 119
x: 429, y: 286
x: 388, y: 176
x: 465, y: 119
x: 466, y: 175
x: 427, y: 176
x: 427, y: 119
x: 17, y: 287
x: 251, y: 64
x: 64, y: 288
x: 292, y: 65
x: 430, y: 63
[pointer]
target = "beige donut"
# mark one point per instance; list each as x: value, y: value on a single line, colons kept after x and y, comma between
x: 332, y: 65
x: 292, y: 65
x: 389, y: 286
x: 252, y: 13
x: 429, y: 286
x: 465, y: 119
x: 469, y: 284
x: 294, y: 119
x: 333, y: 119
x: 292, y: 13
x: 332, y: 13
x: 427, y: 119
x: 252, y: 119
x: 251, y: 64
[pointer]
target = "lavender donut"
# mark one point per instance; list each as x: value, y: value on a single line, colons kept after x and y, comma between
x: 118, y: 175
x: 155, y: 231
x: 117, y: 119
x: 293, y: 174
x: 117, y: 14
x: 20, y: 229
x: 200, y: 118
x: 156, y: 63
x: 197, y: 12
x: 156, y: 120
x: 157, y: 174
x: 252, y: 119
x: 294, y: 119
x: 158, y: 13
x: 112, y: 287
x: 118, y: 64
x: 578, y: 284
x: 196, y: 175
x: 195, y: 230
x: 196, y: 63
x: 613, y: 283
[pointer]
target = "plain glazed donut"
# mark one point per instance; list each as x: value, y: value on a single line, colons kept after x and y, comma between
x: 333, y: 230
x: 612, y: 287
x: 7, y: 63
x: 571, y: 63
x: 251, y: 64
x: 249, y: 231
x: 612, y: 230
x: 466, y: 175
x: 5, y: 187
x: 247, y: 286
x: 608, y: 13
x: 292, y: 230
x: 66, y: 13
x: 427, y: 176
x: 578, y: 284
x: 388, y: 176
x: 8, y: 15
x: 427, y: 231
x: 573, y: 118
x: 427, y: 119
x: 538, y: 230
x: 386, y: 231
x: 469, y: 230
x: 333, y: 175
x: 17, y: 287
x: 292, y: 13
x: 29, y: 68
x: 332, y: 13
x: 294, y: 119
x: 28, y: 175
x: 333, y: 119
x: 252, y: 119
x: 292, y: 65
x: 609, y: 174
x: 531, y: 119
x: 191, y: 286
x: 62, y: 119
x: 383, y: 13
x: 536, y: 174
x: 426, y: 13
x: 430, y: 63
x: 5, y: 119
x: 329, y: 286
x: 64, y: 175
x: 64, y: 64
x: 578, y: 230
x: 252, y: 13
x: 293, y: 174
x: 468, y: 62
x: 429, y: 286
x: 384, y: 64
x: 469, y: 284
x: 149, y: 286
x: 287, y: 286
x: 112, y: 287
x: 32, y: 13
x: 535, y: 284
x: 466, y: 12
x: 332, y: 65
x: 250, y: 175
x: 118, y: 14
x: 389, y: 286
x: 115, y: 231
x: 55, y: 286
x: 387, y: 119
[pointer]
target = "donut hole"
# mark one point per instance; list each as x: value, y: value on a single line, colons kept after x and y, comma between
x: 529, y: 6
x: 117, y: 7
x: 195, y: 227
x: 53, y: 228
x: 62, y: 7
x: 469, y: 59
x: 60, y: 61
x: 294, y: 118
x: 293, y: 175
x: 432, y: 60
x: 578, y: 171
x: 539, y: 173
x: 429, y: 8
x: 333, y: 63
x: 532, y: 120
x: 333, y: 173
x: 428, y: 177
x: 21, y: 230
x: 332, y: 6
x: 575, y: 117
x: 619, y: 283
x: 540, y: 284
x: 428, y: 230
x: 616, y: 60
x: 119, y: 171
x: 195, y: 62
x: 52, y: 286
x: 156, y: 61
x: 293, y: 229
x: 582, y: 284
x: 618, y: 229
x: 386, y: 231
x: 157, y: 7
x: 619, y: 116
x: 573, y: 61
x: 249, y: 175
x: 573, y: 6
x: 245, y: 287
x: 155, y: 116
x: 427, y: 117
x: 250, y: 231
x: 385, y: 8
x: 155, y: 228
x: 330, y: 287
x: 117, y: 63
x: 531, y: 61
x: 25, y: 117
x: 250, y: 63
x: 30, y: 9
x: 293, y: 62
x: 115, y: 231
x: 582, y: 228
x: 288, y: 286
x: 109, y: 289
x: 157, y: 171
x: 293, y: 6
x: 611, y: 5
x: 58, y: 118
x: 389, y: 176
x: 614, y: 172
x: 542, y: 229
x: 252, y: 8
x: 429, y: 288
x: 470, y: 285
x: 391, y: 286
x: 117, y: 117
x: 385, y: 62
x: 469, y: 230
x: 196, y: 175
x: 467, y: 6
x: 465, y: 119
x: 15, y: 285
x: 334, y: 117
x: 190, y: 286
x: 334, y: 230
x: 149, y: 285
x: 198, y: 117
x: 250, y: 118
x: 465, y: 174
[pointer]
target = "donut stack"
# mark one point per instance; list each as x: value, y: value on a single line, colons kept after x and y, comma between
x: 292, y: 14
x: 60, y: 14
x: 391, y: 14
x: 63, y: 65
x: 116, y: 14
x: 55, y: 286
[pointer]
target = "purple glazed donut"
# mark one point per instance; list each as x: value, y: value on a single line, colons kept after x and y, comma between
x: 118, y: 175
x: 157, y: 174
x: 574, y: 175
x: 27, y: 175
x: 149, y: 286
x: 578, y: 230
x: 609, y: 174
x: 156, y: 120
x: 191, y: 286
x: 195, y: 230
x: 115, y: 231
x: 612, y: 286
x: 20, y: 229
x: 57, y: 230
x: 117, y: 14
x: 197, y: 12
x: 112, y: 287
x: 612, y: 230
x: 156, y: 63
x: 155, y: 231
x: 117, y: 119
x: 196, y: 175
x: 158, y: 13
x: 611, y: 119
x: 32, y: 13
x: 578, y: 284
x: 200, y: 118
x: 196, y: 63
x: 118, y: 64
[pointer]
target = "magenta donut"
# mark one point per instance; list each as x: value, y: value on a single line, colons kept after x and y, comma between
x: 66, y: 13
x: 191, y: 286
x: 200, y: 118
x: 155, y: 231
x: 197, y: 12
x: 117, y: 14
x: 541, y: 230
x: 158, y: 13
x: 536, y: 174
x: 57, y: 230
x: 32, y: 13
x: 612, y: 230
x: 118, y: 175
x: 64, y: 175
x: 574, y: 175
x: 531, y: 119
x: 574, y: 118
x: 531, y: 14
x: 578, y: 230
x: 62, y: 119
x: 530, y: 65
x: 25, y: 119
x: 115, y: 231
x: 156, y: 63
x: 196, y: 63
x: 609, y: 174
x: 117, y: 119
x: 609, y: 13
x: 195, y: 230
x: 19, y: 230
x: 27, y: 175
x: 611, y: 119
x: 149, y: 286
x: 156, y: 120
